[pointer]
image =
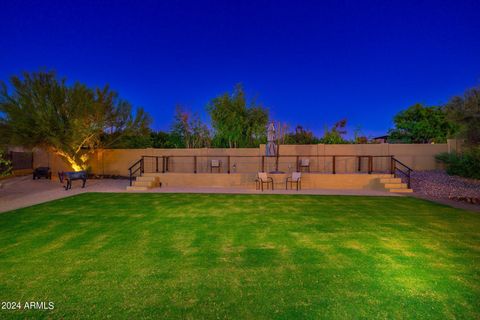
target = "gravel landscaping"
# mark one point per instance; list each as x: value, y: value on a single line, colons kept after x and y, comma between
x: 438, y: 184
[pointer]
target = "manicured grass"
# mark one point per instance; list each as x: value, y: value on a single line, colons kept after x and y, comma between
x: 241, y: 256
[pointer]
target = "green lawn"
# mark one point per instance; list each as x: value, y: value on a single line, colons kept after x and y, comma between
x: 241, y: 256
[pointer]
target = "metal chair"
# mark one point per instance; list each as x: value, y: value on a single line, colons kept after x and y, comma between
x: 305, y: 164
x: 295, y: 178
x: 262, y: 179
x: 215, y: 164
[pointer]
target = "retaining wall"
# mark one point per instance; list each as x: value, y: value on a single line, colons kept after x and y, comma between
x: 117, y: 161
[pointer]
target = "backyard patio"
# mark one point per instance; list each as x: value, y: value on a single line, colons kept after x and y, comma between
x: 240, y: 160
x: 152, y: 255
x: 22, y: 192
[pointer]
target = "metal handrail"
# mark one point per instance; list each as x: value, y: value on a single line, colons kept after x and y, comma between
x: 281, y: 156
x: 403, y: 164
x: 141, y: 168
x: 406, y: 173
x: 136, y: 163
x: 166, y: 158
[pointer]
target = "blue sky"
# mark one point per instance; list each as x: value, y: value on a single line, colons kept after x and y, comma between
x: 311, y: 63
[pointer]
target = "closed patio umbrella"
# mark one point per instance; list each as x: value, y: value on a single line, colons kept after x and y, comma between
x: 271, y: 136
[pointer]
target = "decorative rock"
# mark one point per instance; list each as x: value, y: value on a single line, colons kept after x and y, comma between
x: 438, y: 184
x: 466, y: 199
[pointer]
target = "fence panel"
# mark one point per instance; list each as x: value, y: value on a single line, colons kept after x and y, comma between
x: 21, y: 160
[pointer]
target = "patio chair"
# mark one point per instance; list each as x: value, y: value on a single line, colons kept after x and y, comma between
x: 304, y: 164
x: 215, y: 164
x: 262, y: 179
x: 295, y: 178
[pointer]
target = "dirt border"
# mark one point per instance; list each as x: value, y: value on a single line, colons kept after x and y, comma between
x: 448, y: 202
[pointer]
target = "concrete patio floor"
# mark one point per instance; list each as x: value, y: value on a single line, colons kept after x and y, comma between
x: 22, y: 192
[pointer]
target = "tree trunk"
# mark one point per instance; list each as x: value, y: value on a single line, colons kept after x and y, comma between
x: 76, y: 164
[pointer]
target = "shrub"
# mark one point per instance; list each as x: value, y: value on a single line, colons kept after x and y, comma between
x: 5, y: 166
x: 465, y: 165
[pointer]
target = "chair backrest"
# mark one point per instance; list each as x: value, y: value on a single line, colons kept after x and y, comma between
x: 305, y: 162
x: 215, y: 163
x: 296, y: 176
x: 262, y: 176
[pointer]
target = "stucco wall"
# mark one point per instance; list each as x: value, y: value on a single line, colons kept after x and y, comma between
x: 117, y: 161
x: 236, y: 180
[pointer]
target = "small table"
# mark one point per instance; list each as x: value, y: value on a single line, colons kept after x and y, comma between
x: 279, y: 178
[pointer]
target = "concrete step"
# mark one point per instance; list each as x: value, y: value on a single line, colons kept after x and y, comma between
x: 148, y: 184
x: 391, y: 180
x: 136, y: 188
x: 396, y: 186
x: 148, y: 178
x: 401, y: 190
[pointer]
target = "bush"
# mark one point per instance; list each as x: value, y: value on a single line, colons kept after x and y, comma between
x: 465, y: 165
x: 5, y: 166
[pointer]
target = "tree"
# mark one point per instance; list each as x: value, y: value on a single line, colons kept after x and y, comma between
x: 133, y: 141
x: 236, y: 124
x: 161, y: 139
x: 256, y: 122
x: 422, y: 124
x: 70, y: 121
x: 188, y: 131
x: 301, y: 136
x: 465, y: 112
x: 335, y: 134
x: 358, y: 136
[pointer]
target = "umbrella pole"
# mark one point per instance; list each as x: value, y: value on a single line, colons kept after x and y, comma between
x: 276, y: 160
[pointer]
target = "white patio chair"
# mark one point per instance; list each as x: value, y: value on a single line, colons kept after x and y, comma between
x: 295, y: 178
x: 305, y: 163
x: 262, y: 179
x: 215, y: 164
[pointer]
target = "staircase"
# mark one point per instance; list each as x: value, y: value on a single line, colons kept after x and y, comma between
x: 395, y: 185
x: 145, y: 182
x: 139, y: 179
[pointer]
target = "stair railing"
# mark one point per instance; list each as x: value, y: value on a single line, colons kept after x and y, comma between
x: 399, y: 167
x: 136, y: 167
